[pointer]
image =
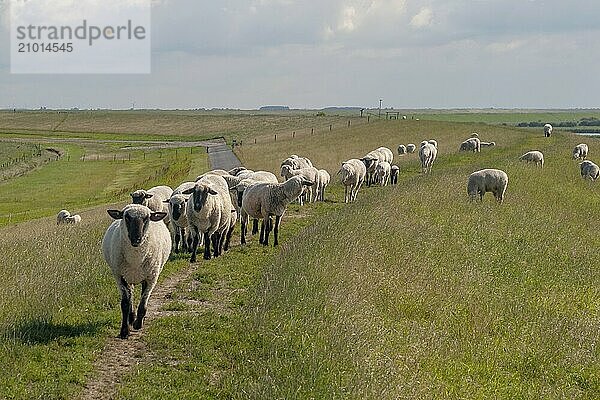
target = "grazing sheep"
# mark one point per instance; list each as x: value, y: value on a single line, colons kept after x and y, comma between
x: 427, y: 155
x: 580, y: 151
x: 310, y: 174
x: 394, y: 172
x: 324, y: 179
x: 487, y: 144
x: 388, y: 155
x: 533, y: 156
x: 370, y: 162
x: 401, y: 150
x: 382, y: 173
x: 154, y: 199
x: 264, y: 200
x: 297, y: 162
x: 352, y: 175
x: 433, y: 142
x: 474, y: 135
x: 136, y: 249
x: 411, y: 148
x: 181, y: 234
x: 472, y: 144
x: 487, y: 180
x: 60, y: 217
x: 73, y: 219
x: 589, y: 170
x: 547, y: 130
x: 209, y: 212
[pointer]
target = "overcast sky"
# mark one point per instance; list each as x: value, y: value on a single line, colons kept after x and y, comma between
x: 317, y: 53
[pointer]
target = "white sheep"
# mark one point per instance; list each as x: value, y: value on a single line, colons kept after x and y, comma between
x: 352, y: 175
x: 154, y: 199
x: 589, y: 170
x: 401, y: 150
x: 547, y: 130
x: 471, y: 144
x: 533, y: 156
x: 427, y: 156
x: 60, y: 217
x: 580, y: 152
x: 72, y: 219
x: 236, y: 170
x: 388, y: 155
x: 136, y: 249
x: 382, y: 173
x: 297, y: 162
x: 210, y: 212
x: 487, y: 180
x: 310, y: 174
x: 394, y: 172
x: 264, y: 200
x: 324, y: 180
x: 411, y: 148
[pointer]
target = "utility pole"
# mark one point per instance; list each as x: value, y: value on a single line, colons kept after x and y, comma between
x: 380, y: 101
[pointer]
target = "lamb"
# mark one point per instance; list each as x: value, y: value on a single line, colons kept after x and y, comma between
x: 533, y: 156
x: 487, y: 144
x: 411, y: 148
x: 310, y: 174
x: 264, y: 200
x: 427, y: 155
x: 154, y: 199
x: 60, y: 217
x: 324, y: 179
x: 472, y: 144
x: 401, y: 150
x: 580, y: 152
x: 487, y: 180
x: 589, y: 170
x: 179, y: 222
x: 72, y: 219
x: 547, y: 130
x: 210, y: 213
x: 382, y: 173
x: 394, y: 172
x: 136, y: 249
x: 352, y: 173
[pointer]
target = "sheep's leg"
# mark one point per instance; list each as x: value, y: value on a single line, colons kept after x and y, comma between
x: 216, y: 243
x: 228, y: 238
x: 254, y: 226
x: 126, y: 308
x: 142, y: 307
x: 177, y: 240
x: 276, y: 230
x: 195, y: 245
x: 345, y: 194
x: 207, y: 246
x: 268, y: 227
x: 261, y: 240
x: 244, y: 223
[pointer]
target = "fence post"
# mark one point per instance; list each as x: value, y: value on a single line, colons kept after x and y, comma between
x: 348, y: 123
x: 254, y: 140
x: 293, y: 134
x: 176, y: 154
x: 144, y: 156
x: 330, y: 127
x: 129, y: 156
x: 368, y: 118
x: 275, y: 137
x: 312, y: 130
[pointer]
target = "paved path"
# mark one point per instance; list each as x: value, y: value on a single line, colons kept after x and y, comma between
x: 220, y: 156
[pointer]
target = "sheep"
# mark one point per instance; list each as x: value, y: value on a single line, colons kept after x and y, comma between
x: 487, y: 144
x: 533, y: 156
x: 72, y: 219
x: 297, y: 162
x: 60, y: 217
x: 154, y: 199
x: 236, y: 170
x: 352, y: 173
x: 580, y: 152
x: 210, y: 212
x: 427, y: 155
x: 382, y: 173
x: 401, y: 150
x: 394, y: 172
x: 324, y: 179
x: 136, y: 249
x: 264, y: 200
x: 433, y: 142
x: 310, y: 174
x: 547, y: 130
x: 178, y: 218
x: 589, y: 170
x: 411, y: 148
x: 388, y: 155
x: 487, y: 180
x: 370, y: 162
x: 472, y: 144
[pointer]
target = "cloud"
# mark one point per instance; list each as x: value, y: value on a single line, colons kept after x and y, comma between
x: 423, y: 19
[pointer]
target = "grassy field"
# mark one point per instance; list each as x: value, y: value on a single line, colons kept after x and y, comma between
x: 500, y: 116
x: 411, y: 292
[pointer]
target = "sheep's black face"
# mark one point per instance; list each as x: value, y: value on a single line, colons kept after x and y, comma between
x: 178, y: 210
x: 137, y: 198
x: 136, y: 228
x: 199, y: 196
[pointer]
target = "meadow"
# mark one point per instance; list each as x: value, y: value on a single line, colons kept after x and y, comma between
x: 411, y: 292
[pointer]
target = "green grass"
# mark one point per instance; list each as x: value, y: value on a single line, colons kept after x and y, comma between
x: 509, y: 117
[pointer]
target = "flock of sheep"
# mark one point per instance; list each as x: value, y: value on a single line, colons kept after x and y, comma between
x: 204, y: 212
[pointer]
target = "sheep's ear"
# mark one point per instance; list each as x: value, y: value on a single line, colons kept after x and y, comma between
x: 157, y: 216
x: 307, y: 183
x: 212, y: 191
x: 115, y: 214
x: 148, y: 195
x: 188, y: 191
